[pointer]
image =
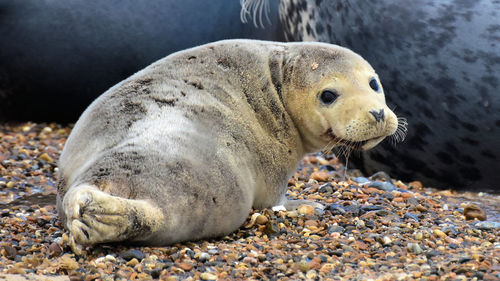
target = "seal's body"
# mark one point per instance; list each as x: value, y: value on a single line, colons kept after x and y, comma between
x: 184, y: 148
x: 441, y: 63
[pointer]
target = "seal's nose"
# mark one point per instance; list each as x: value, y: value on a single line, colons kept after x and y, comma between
x: 379, y: 116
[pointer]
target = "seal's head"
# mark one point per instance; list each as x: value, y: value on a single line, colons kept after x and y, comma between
x: 335, y: 98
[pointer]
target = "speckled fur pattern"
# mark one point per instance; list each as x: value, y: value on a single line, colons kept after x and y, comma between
x: 199, y: 137
x: 440, y: 65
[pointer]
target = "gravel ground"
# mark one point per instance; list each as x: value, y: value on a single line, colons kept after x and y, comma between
x: 373, y: 228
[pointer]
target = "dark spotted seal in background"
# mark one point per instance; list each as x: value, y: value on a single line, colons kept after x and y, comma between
x: 440, y: 65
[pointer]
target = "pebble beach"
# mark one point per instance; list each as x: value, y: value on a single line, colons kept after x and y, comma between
x: 373, y: 228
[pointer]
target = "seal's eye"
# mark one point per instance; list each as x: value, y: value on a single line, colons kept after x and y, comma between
x: 374, y: 85
x: 328, y: 97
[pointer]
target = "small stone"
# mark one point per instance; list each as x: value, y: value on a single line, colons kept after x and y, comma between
x: 133, y: 262
x: 361, y: 180
x: 415, y: 184
x: 250, y: 260
x: 311, y: 274
x: 304, y: 266
x: 335, y: 209
x: 421, y: 208
x: 261, y: 219
x: 110, y: 258
x: 414, y: 248
x: 439, y: 233
x: 305, y: 210
x: 132, y: 253
x: 419, y: 235
x: 382, y: 213
x: 472, y: 212
x: 186, y: 266
x: 383, y: 176
x: 335, y: 228
x: 204, y: 257
x: 487, y: 225
x: 271, y: 228
x: 320, y: 176
x: 360, y: 224
x: 411, y: 216
x: 383, y: 185
x: 55, y: 249
x: 386, y: 241
x: 208, y: 276
x: 46, y: 157
x: 10, y: 251
x: 327, y: 268
x: 325, y: 188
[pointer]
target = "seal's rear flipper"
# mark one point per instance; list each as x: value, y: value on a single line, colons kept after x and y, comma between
x: 93, y: 217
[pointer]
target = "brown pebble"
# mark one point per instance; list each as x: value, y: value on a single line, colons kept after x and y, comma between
x: 416, y: 184
x: 46, y: 157
x: 305, y: 210
x: 309, y: 223
x: 10, y: 252
x: 55, y: 249
x: 421, y: 208
x: 439, y: 233
x: 186, y: 266
x: 133, y: 262
x: 472, y: 212
x: 261, y: 219
x: 320, y: 176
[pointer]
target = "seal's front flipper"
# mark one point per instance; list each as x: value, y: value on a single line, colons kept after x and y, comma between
x: 93, y: 217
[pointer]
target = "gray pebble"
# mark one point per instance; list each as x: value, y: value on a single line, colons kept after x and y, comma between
x: 335, y: 228
x: 326, y: 188
x: 383, y: 185
x: 411, y: 216
x: 380, y: 176
x: 204, y: 257
x: 132, y: 253
x: 487, y: 225
x: 335, y: 209
x: 361, y: 180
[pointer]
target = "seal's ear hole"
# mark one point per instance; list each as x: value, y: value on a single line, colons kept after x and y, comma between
x: 328, y: 96
x: 374, y: 85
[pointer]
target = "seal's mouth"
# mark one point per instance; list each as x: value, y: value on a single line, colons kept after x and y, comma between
x: 356, y: 145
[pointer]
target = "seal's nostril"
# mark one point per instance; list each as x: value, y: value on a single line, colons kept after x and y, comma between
x: 379, y: 116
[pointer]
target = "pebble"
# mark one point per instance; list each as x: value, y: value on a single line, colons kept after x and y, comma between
x: 335, y: 228
x: 133, y: 262
x: 439, y: 233
x: 472, y: 212
x: 326, y: 188
x: 411, y: 216
x: 204, y: 256
x: 304, y: 266
x: 361, y: 180
x: 383, y: 185
x: 208, y: 276
x: 132, y: 254
x: 186, y: 266
x: 320, y: 176
x: 414, y: 248
x: 305, y: 210
x: 386, y: 241
x: 487, y: 225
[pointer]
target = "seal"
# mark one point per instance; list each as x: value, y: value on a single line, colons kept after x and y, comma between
x: 442, y: 67
x: 183, y: 149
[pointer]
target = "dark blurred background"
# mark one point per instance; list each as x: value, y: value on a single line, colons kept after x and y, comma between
x: 58, y: 56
